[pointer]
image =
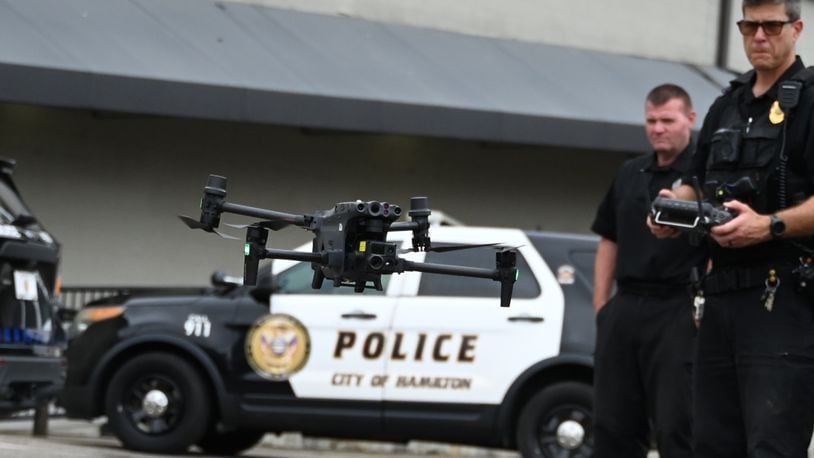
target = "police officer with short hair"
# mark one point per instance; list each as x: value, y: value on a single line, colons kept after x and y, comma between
x: 754, y: 366
x: 645, y: 333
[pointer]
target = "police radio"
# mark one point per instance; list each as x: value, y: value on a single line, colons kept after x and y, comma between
x: 788, y: 95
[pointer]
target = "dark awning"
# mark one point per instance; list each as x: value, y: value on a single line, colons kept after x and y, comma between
x: 242, y: 62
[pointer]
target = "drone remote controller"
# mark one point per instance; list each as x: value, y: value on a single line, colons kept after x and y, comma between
x: 688, y: 215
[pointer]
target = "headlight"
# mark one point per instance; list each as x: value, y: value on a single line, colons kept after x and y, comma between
x: 7, y: 231
x: 46, y: 237
x: 90, y: 315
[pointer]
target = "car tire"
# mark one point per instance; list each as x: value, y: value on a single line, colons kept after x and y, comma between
x: 557, y: 422
x: 229, y: 443
x: 158, y: 403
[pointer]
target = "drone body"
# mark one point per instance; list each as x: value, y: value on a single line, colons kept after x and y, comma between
x: 350, y: 245
x: 345, y: 231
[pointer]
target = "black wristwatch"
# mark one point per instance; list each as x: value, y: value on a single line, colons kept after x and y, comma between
x: 777, y: 227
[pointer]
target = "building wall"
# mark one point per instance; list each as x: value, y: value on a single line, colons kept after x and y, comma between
x: 682, y: 31
x: 109, y: 186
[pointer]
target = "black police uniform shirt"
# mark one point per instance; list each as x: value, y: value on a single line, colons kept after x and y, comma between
x: 799, y: 148
x: 641, y: 257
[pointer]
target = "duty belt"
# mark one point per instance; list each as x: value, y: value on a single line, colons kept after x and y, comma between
x: 651, y: 289
x: 735, y: 278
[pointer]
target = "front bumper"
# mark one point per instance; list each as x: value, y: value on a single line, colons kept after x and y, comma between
x: 25, y: 380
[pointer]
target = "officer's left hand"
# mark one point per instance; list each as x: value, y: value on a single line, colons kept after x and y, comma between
x: 662, y: 231
x: 748, y: 228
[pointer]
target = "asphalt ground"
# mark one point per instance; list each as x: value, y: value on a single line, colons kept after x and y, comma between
x: 76, y: 438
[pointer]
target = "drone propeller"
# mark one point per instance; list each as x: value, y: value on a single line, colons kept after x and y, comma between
x: 273, y: 225
x: 452, y: 247
x: 193, y: 223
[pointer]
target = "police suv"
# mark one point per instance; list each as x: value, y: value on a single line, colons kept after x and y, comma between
x: 431, y: 357
x: 32, y: 368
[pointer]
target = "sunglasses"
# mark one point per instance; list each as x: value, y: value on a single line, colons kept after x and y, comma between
x: 771, y: 28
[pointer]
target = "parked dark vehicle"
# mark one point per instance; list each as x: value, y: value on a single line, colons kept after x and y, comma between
x: 430, y: 357
x: 32, y: 368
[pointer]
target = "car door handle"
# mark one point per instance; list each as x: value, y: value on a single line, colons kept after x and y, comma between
x: 359, y: 316
x: 528, y: 318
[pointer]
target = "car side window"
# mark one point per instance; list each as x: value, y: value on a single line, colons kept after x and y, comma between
x: 584, y: 262
x: 297, y: 280
x: 525, y: 287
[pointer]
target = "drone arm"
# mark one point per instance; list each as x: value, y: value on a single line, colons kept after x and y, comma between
x: 445, y: 269
x: 245, y: 210
x: 506, y: 262
x: 256, y: 238
x: 404, y: 226
x: 304, y: 256
x: 505, y: 273
x: 255, y: 250
x: 255, y: 254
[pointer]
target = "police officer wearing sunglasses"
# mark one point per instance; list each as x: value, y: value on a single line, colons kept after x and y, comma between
x: 754, y: 363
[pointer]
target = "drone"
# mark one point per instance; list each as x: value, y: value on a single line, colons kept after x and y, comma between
x: 350, y: 246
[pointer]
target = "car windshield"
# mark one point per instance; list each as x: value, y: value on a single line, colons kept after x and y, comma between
x: 12, y: 208
x: 297, y: 280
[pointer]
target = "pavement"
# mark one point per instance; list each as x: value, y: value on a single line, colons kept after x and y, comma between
x: 78, y: 438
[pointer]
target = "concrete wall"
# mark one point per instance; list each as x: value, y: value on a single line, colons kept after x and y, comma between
x: 683, y: 30
x: 109, y: 186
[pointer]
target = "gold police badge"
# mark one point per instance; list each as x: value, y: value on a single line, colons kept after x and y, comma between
x: 776, y: 115
x: 277, y: 346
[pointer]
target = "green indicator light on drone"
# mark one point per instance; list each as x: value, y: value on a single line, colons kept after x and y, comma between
x: 247, y: 248
x: 516, y: 274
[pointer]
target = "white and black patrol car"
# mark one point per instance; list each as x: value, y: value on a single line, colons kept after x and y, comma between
x: 432, y: 357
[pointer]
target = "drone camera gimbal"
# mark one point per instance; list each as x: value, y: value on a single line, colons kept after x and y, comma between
x: 350, y: 245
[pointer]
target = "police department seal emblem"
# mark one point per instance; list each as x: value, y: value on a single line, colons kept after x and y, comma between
x: 277, y: 346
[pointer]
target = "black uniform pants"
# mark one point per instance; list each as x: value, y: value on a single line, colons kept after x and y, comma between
x: 642, y: 373
x: 754, y: 376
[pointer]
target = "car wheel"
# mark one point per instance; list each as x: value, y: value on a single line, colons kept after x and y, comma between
x: 157, y: 402
x: 229, y: 443
x: 557, y: 422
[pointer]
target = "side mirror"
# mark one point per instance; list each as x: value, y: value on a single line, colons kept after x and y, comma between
x: 221, y: 280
